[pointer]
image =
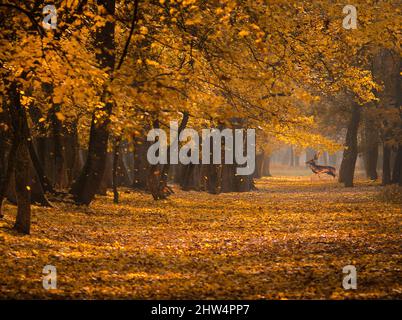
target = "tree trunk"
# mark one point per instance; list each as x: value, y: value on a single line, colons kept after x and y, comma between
x: 141, y: 165
x: 297, y: 160
x: 346, y: 173
x: 386, y: 165
x: 292, y: 157
x: 115, y: 167
x: 46, y: 185
x: 259, y: 165
x: 22, y: 161
x: 8, y: 174
x: 370, y: 149
x: 89, y: 181
x: 213, y: 181
x: 73, y: 165
x: 397, y: 170
x: 158, y: 174
x: 266, y: 170
x: 59, y: 174
x: 190, y: 177
x: 22, y: 189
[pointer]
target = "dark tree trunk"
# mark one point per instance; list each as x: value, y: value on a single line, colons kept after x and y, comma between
x: 22, y: 189
x: 41, y: 141
x: 72, y: 158
x: 158, y: 174
x: 259, y: 165
x: 89, y: 181
x: 107, y: 179
x: 42, y: 152
x: 38, y: 181
x: 115, y: 182
x: 45, y: 184
x: 8, y: 175
x: 191, y: 177
x: 292, y: 157
x: 213, y: 181
x: 228, y: 182
x: 397, y: 170
x: 266, y: 170
x: 346, y: 172
x: 370, y: 149
x: 386, y: 165
x: 122, y: 171
x: 297, y: 160
x: 22, y: 162
x: 59, y: 174
x: 141, y: 165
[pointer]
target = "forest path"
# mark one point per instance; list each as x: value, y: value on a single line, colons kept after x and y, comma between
x: 289, y: 239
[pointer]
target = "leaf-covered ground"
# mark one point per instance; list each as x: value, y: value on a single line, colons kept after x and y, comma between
x: 290, y: 239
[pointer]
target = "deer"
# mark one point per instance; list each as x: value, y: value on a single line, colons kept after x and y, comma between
x: 317, y: 169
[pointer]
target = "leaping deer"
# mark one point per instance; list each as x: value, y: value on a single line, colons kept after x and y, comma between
x: 317, y: 169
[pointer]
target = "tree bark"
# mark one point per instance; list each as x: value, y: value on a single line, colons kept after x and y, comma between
x: 7, y: 177
x: 266, y: 169
x: 89, y: 181
x: 22, y: 161
x: 370, y: 148
x: 59, y: 174
x: 397, y: 170
x: 291, y: 156
x: 22, y: 189
x: 346, y: 173
x: 116, y: 152
x: 158, y: 174
x: 141, y: 165
x: 386, y: 165
x: 259, y: 165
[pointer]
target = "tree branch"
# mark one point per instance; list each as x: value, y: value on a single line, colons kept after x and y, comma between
x: 133, y: 24
x: 27, y: 13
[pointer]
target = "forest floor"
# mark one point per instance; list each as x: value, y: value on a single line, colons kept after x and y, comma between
x: 289, y: 239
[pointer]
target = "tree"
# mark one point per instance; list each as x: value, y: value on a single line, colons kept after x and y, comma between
x: 88, y: 182
x: 346, y: 172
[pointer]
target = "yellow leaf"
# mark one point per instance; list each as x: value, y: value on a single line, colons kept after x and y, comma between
x: 57, y: 99
x: 244, y: 33
x: 143, y: 30
x: 152, y: 62
x: 60, y: 116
